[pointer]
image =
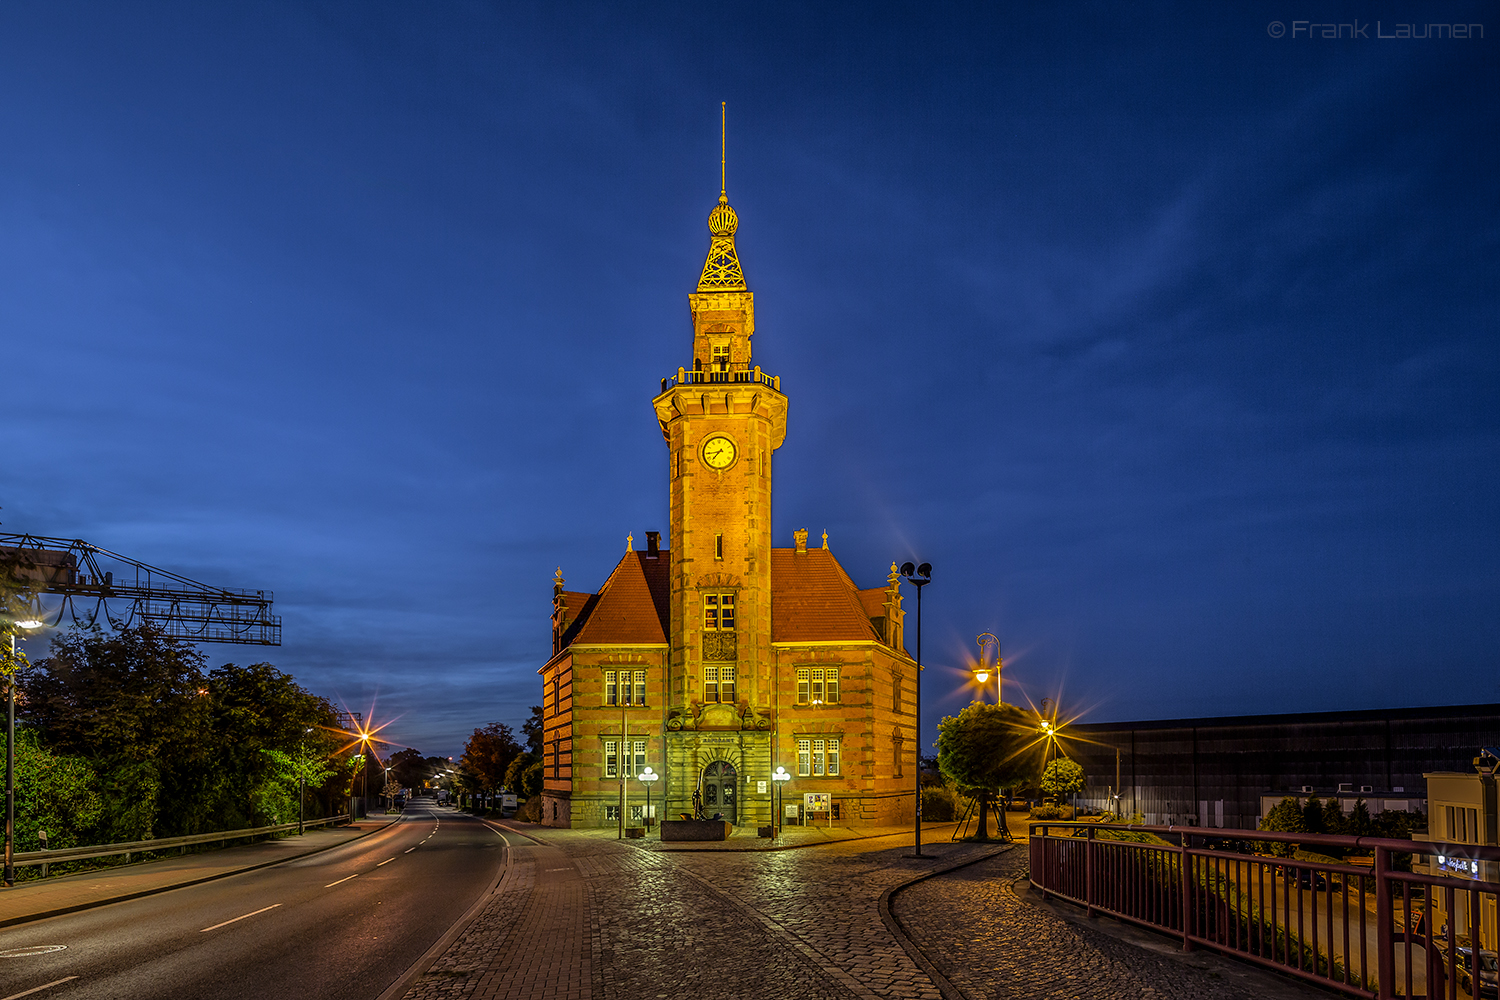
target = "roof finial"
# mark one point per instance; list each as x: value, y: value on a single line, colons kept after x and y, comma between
x: 629, y: 543
x: 721, y: 271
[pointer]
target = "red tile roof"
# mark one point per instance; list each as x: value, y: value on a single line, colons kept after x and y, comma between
x: 631, y: 607
x: 813, y: 599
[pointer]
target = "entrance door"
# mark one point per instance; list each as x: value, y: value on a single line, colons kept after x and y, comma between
x: 720, y: 785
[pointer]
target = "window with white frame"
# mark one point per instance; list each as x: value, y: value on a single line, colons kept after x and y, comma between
x: 726, y: 684
x: 611, y: 688
x: 637, y: 763
x: 710, y: 684
x: 612, y: 813
x: 817, y: 758
x: 817, y: 685
x: 611, y: 759
x: 804, y: 685
x: 640, y: 688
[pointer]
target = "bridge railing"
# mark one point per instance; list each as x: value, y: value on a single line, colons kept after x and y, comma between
x: 1363, y: 927
x: 55, y: 857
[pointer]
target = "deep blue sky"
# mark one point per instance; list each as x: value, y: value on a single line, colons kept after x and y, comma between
x: 1171, y: 344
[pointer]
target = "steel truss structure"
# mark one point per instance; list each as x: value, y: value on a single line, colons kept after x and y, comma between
x: 172, y: 604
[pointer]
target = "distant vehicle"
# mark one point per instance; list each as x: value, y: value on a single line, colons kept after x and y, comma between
x: 1489, y: 973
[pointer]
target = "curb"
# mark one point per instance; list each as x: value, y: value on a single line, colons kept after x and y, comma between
x: 123, y: 897
x: 898, y: 931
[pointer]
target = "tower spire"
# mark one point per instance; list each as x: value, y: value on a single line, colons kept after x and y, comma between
x: 721, y: 271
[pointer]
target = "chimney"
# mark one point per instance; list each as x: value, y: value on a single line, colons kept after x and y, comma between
x: 653, y: 544
x: 800, y: 536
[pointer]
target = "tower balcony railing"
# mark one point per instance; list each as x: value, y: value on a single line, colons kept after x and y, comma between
x: 730, y: 374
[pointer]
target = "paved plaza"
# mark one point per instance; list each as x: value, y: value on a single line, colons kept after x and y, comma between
x: 579, y: 914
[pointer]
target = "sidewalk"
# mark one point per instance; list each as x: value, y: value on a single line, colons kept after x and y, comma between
x: 29, y: 901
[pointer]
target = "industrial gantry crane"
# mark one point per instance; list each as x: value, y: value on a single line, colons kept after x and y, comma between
x: 86, y: 575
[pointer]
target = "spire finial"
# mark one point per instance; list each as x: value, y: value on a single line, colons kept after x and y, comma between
x: 721, y: 271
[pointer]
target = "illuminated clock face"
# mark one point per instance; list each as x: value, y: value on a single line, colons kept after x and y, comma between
x: 718, y: 452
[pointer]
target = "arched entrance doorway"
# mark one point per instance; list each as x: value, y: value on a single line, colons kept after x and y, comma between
x: 720, y: 788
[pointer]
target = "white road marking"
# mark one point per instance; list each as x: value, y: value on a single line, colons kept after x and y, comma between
x: 236, y: 920
x: 386, y: 862
x: 38, y: 989
x: 408, y: 850
x: 330, y: 885
x: 32, y: 949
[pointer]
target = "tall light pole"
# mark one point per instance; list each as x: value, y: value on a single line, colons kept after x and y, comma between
x: 982, y: 671
x: 919, y: 576
x: 10, y: 753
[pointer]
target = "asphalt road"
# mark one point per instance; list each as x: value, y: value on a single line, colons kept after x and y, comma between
x: 341, y: 925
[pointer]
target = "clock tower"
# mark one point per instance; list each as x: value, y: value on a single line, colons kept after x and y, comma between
x: 722, y: 418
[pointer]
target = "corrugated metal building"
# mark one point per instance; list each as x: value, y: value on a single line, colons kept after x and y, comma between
x: 1214, y: 771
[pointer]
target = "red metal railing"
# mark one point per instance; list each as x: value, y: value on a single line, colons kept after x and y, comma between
x: 1366, y: 930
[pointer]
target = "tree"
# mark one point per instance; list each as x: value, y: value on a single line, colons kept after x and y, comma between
x: 1285, y: 817
x: 303, y: 768
x: 1062, y: 777
x: 986, y: 748
x: 489, y: 752
x: 532, y: 730
x: 515, y: 773
x: 409, y: 768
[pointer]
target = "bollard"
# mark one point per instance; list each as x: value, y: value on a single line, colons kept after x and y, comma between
x: 42, y: 836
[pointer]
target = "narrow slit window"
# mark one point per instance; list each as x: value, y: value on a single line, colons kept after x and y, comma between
x: 718, y: 546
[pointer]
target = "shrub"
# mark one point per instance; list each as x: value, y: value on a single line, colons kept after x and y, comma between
x: 1050, y: 811
x: 941, y: 804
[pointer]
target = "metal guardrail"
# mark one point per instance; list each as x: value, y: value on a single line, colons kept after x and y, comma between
x: 1318, y: 921
x: 62, y: 854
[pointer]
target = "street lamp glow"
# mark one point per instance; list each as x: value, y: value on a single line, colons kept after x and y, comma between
x: 29, y: 623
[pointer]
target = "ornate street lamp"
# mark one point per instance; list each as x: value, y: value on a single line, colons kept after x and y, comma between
x: 779, y: 780
x: 647, y: 777
x: 919, y: 576
x: 982, y: 672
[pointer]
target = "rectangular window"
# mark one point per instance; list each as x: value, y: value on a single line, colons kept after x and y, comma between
x: 611, y: 759
x: 803, y: 685
x: 718, y: 546
x: 640, y: 687
x: 804, y: 758
x: 896, y: 694
x: 609, y: 688
x: 612, y: 813
x: 817, y: 687
x: 818, y: 752
x: 639, y: 763
x: 831, y: 688
x: 726, y: 684
x: 637, y: 814
x: 896, y: 761
x: 721, y: 358
x: 710, y: 683
x: 718, y: 612
x: 833, y: 757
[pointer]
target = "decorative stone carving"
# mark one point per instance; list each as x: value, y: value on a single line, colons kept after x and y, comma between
x: 720, y: 647
x: 718, y: 581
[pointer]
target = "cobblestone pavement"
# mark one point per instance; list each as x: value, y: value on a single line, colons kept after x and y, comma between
x: 586, y: 917
x: 993, y: 945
